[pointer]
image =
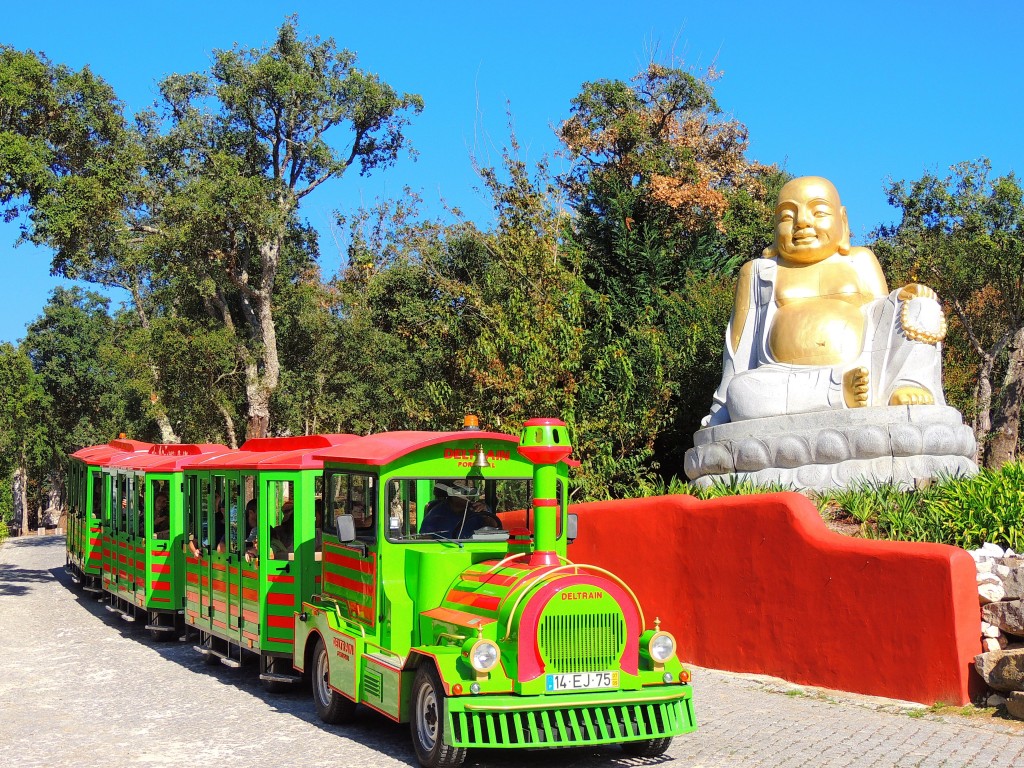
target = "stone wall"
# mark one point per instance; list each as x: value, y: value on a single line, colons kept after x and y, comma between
x: 1001, y: 593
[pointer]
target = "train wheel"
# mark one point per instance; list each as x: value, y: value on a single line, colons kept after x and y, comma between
x: 427, y: 724
x: 331, y: 706
x: 647, y: 747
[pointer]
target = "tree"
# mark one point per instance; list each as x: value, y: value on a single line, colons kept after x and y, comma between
x: 24, y: 408
x: 200, y: 198
x: 667, y: 208
x: 234, y: 178
x: 963, y: 235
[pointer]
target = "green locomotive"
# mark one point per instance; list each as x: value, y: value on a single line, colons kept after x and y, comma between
x: 447, y: 602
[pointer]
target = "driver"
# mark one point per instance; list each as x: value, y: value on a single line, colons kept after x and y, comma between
x: 457, y: 511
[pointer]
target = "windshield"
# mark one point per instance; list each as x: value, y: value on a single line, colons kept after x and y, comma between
x: 456, y: 509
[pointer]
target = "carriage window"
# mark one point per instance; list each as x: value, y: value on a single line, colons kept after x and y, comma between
x: 139, y: 518
x: 123, y: 496
x: 159, y: 491
x: 282, y: 519
x: 250, y: 524
x: 234, y: 514
x: 198, y: 491
x: 219, y: 514
x: 97, y: 495
x: 356, y: 495
x: 318, y: 513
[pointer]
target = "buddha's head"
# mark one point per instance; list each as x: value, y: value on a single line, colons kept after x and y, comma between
x: 810, y: 223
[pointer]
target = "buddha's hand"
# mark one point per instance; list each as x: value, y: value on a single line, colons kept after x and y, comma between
x: 916, y: 290
x: 921, y: 316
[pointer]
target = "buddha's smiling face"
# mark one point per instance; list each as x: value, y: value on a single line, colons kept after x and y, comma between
x: 810, y: 224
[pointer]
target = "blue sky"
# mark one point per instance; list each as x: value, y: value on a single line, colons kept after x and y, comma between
x: 857, y: 92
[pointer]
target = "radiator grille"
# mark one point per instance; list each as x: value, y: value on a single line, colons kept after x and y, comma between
x: 591, y: 643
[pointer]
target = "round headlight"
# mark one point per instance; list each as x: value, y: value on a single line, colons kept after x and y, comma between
x: 484, y: 656
x: 662, y: 647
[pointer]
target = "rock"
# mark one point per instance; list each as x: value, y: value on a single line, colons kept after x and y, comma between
x: 995, y: 700
x: 1013, y: 583
x: 989, y: 630
x: 990, y: 593
x: 1015, y: 704
x: 993, y: 643
x: 983, y: 566
x: 1002, y: 571
x: 1007, y: 615
x: 987, y: 578
x: 1009, y: 553
x: 1002, y: 670
x: 991, y: 550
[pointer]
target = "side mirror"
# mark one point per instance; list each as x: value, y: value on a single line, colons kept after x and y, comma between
x: 345, y: 527
x: 572, y: 527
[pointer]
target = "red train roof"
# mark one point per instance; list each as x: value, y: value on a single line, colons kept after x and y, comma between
x: 101, y: 455
x: 168, y: 457
x: 385, y: 447
x: 276, y: 453
x: 296, y: 443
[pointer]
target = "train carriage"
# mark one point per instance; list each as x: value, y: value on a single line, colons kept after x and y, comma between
x: 447, y: 602
x: 245, y: 577
x: 146, y: 524
x: 87, y: 541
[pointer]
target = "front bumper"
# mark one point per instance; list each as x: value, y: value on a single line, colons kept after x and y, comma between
x: 568, y: 720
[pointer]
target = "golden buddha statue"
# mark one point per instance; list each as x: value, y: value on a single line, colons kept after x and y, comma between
x: 814, y: 326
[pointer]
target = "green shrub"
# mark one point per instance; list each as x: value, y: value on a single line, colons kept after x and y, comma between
x: 965, y: 512
x: 4, y: 533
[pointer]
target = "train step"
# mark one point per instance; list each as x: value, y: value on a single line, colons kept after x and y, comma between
x: 278, y: 677
x: 161, y: 628
x: 227, y: 661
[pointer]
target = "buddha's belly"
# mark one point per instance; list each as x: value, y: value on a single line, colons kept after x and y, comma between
x: 817, y: 332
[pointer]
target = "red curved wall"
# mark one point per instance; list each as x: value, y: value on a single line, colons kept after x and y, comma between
x: 759, y: 584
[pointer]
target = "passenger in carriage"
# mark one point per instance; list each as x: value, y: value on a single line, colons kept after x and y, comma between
x: 220, y: 526
x: 282, y: 537
x: 161, y: 516
x: 318, y: 515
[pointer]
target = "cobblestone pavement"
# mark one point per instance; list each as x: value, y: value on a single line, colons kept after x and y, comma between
x: 80, y: 687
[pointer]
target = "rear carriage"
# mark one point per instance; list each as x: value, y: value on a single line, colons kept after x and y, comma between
x: 88, y: 542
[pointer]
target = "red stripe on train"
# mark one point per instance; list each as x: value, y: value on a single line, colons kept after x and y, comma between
x: 484, y: 602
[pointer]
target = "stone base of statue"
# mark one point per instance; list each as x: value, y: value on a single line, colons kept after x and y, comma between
x: 898, y: 445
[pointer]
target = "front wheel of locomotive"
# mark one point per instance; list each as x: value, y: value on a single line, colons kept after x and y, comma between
x: 331, y: 706
x: 427, y: 723
x: 647, y: 747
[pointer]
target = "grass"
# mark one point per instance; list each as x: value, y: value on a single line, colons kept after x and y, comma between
x: 965, y: 512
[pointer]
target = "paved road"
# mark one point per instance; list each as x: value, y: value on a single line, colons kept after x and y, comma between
x: 79, y: 687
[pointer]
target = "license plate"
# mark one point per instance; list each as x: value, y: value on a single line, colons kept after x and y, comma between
x: 583, y: 681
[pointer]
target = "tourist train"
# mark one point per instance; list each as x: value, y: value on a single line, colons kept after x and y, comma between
x: 421, y: 574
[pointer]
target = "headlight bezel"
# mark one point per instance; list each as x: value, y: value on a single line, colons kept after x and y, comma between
x: 482, y: 669
x: 655, y: 658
